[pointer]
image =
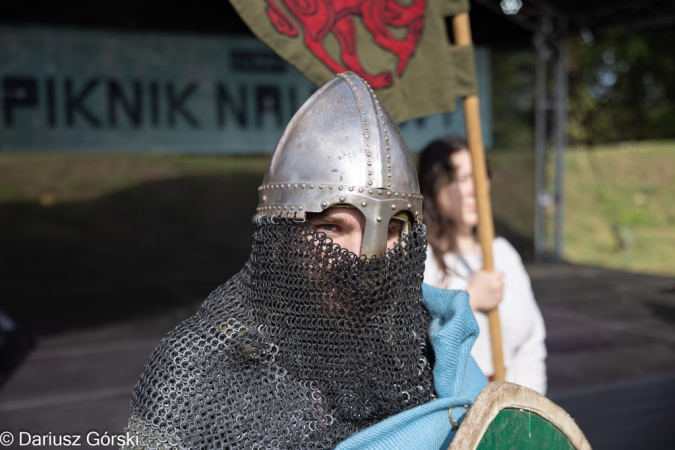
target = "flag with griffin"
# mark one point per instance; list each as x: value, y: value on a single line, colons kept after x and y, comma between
x: 400, y: 47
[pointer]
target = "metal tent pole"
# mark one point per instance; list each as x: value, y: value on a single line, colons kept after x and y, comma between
x: 560, y: 138
x: 541, y: 108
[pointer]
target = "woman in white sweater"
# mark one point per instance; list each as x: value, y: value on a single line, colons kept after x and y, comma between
x: 454, y: 261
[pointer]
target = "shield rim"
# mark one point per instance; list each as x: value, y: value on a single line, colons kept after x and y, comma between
x: 501, y: 395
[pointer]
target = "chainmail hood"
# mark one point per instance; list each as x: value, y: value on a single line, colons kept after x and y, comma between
x: 305, y: 346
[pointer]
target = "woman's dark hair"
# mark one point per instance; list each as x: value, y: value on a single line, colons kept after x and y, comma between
x: 435, y: 171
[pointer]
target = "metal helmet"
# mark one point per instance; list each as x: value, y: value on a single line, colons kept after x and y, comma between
x: 342, y: 148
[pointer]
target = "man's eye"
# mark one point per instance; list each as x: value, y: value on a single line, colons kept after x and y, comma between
x: 328, y: 227
x: 395, y: 228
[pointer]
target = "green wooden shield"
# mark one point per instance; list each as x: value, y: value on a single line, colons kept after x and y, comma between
x: 509, y: 416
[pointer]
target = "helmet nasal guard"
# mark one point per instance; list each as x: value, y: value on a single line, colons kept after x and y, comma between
x: 342, y: 148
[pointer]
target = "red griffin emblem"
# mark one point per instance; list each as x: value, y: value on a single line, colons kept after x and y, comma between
x: 318, y: 18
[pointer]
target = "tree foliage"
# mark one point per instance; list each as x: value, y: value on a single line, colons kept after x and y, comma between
x: 621, y: 88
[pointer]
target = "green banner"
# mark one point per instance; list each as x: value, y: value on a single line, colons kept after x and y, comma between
x: 400, y: 47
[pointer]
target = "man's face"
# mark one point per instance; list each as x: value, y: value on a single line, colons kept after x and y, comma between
x: 345, y: 227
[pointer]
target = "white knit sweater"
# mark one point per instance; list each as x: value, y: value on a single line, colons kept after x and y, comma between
x: 522, y: 326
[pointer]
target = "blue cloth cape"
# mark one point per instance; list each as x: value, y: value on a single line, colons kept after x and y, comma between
x: 457, y: 380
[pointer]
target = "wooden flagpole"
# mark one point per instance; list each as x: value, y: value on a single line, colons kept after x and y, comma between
x: 462, y: 33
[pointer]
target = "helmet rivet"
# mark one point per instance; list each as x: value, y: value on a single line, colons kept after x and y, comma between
x: 324, y: 204
x: 367, y: 153
x: 388, y: 156
x: 370, y: 183
x: 340, y: 187
x: 388, y: 184
x: 409, y: 205
x: 292, y: 208
x: 301, y: 208
x: 393, y: 206
x: 370, y: 163
x: 342, y: 199
x: 264, y: 198
x: 379, y: 219
x: 295, y: 185
x: 388, y: 192
x: 367, y: 136
x: 379, y: 192
x: 364, y: 204
x: 370, y: 172
x: 370, y: 191
x: 366, y: 128
x: 360, y: 189
x: 320, y: 187
x: 330, y: 187
x: 304, y: 185
x: 351, y: 188
x: 389, y: 175
x: 396, y: 194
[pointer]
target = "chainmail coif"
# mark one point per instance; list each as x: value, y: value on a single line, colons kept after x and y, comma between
x: 305, y: 346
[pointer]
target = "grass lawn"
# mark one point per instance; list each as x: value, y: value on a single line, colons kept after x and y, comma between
x: 90, y: 239
x: 619, y: 204
x: 620, y: 207
x: 54, y: 179
x: 512, y: 191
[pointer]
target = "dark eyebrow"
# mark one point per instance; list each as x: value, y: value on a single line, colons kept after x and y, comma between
x: 324, y: 217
